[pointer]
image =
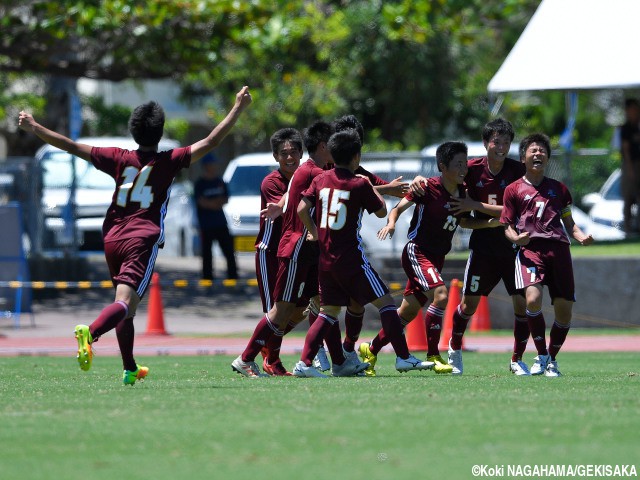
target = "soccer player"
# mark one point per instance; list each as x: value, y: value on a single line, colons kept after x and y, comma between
x: 286, y: 146
x: 491, y: 256
x: 340, y: 196
x: 354, y: 314
x: 536, y: 212
x: 430, y: 233
x: 297, y: 280
x: 133, y: 228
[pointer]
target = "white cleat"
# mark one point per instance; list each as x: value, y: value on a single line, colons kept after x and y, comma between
x: 519, y: 368
x: 412, y: 363
x: 303, y: 371
x: 455, y: 360
x: 321, y: 361
x: 552, y: 369
x: 248, y: 369
x: 540, y: 364
x: 350, y: 367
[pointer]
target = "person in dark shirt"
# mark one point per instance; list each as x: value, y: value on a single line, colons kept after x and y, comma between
x: 211, y: 193
x: 630, y: 149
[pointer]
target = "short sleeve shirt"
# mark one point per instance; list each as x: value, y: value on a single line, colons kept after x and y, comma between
x: 433, y: 224
x: 631, y: 133
x: 273, y: 187
x: 293, y: 230
x: 537, y: 210
x: 210, y: 188
x: 143, y: 186
x: 486, y: 187
x: 340, y: 198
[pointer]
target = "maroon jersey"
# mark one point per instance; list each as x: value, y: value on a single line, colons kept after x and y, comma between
x: 340, y: 198
x: 433, y: 225
x: 143, y: 185
x: 486, y: 187
x: 272, y: 188
x: 537, y: 209
x: 294, y: 233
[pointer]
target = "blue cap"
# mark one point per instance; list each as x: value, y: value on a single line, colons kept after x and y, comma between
x: 209, y: 158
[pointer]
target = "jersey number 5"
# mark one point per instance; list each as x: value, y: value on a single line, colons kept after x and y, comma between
x: 334, y: 210
x: 134, y: 187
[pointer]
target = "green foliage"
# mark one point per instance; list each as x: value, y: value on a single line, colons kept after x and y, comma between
x: 101, y: 119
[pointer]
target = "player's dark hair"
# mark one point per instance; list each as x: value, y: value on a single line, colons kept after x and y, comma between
x: 315, y: 134
x: 349, y: 122
x: 344, y: 146
x: 146, y: 124
x: 499, y: 126
x: 283, y: 135
x: 539, y: 138
x: 446, y: 151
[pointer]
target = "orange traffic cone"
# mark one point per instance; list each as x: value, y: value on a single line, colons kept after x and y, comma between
x: 155, y: 316
x: 452, y: 304
x: 416, y: 333
x: 481, y: 320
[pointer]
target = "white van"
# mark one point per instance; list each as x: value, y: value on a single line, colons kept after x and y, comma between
x: 243, y: 177
x: 94, y: 191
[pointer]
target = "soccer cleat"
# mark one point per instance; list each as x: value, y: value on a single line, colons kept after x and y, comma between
x: 303, y: 371
x: 129, y: 377
x: 85, y: 354
x: 519, y: 368
x: 552, y: 369
x: 321, y: 361
x: 350, y: 367
x: 365, y: 354
x: 540, y: 364
x: 276, y: 369
x: 439, y: 365
x: 455, y: 360
x: 412, y: 363
x: 248, y: 369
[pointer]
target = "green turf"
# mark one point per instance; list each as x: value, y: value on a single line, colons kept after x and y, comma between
x: 194, y: 419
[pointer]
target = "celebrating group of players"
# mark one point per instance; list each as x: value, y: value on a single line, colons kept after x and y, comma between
x: 309, y: 258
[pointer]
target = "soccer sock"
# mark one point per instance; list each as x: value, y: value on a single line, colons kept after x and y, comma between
x: 520, y: 337
x: 379, y: 341
x: 109, y: 318
x: 333, y: 340
x: 261, y: 335
x: 273, y: 346
x: 460, y: 322
x: 393, y: 330
x: 537, y: 328
x: 125, y: 333
x: 557, y: 336
x: 315, y: 335
x: 433, y: 322
x: 353, y: 327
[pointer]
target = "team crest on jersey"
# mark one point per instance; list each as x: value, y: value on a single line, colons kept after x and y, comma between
x: 447, y: 206
x: 480, y: 184
x: 503, y: 184
x: 552, y: 193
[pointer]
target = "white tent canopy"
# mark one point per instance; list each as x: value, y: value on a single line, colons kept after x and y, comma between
x: 575, y: 45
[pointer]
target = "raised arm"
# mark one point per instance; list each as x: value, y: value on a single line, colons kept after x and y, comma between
x: 204, y: 146
x: 27, y: 123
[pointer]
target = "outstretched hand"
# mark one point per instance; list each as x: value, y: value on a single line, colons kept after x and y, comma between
x: 26, y: 121
x: 272, y: 211
x: 243, y: 97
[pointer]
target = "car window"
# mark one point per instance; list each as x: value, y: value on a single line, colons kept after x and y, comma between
x: 246, y: 180
x: 614, y: 192
x: 56, y: 167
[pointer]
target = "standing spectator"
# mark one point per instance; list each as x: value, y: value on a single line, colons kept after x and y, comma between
x: 211, y: 194
x: 536, y: 213
x: 133, y: 228
x: 630, y: 149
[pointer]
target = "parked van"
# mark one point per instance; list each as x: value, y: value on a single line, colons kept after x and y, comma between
x: 94, y: 191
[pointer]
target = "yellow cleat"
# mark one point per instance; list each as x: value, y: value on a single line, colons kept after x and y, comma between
x: 368, y: 357
x: 85, y: 354
x: 440, y: 365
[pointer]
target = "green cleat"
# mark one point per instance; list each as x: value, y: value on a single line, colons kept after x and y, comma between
x: 368, y: 357
x: 440, y: 365
x: 85, y: 354
x: 129, y: 377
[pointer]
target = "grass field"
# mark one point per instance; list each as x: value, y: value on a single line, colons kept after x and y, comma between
x: 193, y: 418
